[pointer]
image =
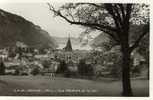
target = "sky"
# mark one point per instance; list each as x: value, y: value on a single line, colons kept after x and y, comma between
x: 39, y: 14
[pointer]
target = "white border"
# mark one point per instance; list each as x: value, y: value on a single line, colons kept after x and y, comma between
x: 97, y: 1
x: 91, y: 97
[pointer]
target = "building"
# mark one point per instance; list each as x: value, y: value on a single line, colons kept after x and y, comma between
x: 68, y: 47
x: 69, y: 55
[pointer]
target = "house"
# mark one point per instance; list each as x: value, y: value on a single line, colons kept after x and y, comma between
x: 137, y: 58
x: 10, y: 67
x: 51, y: 70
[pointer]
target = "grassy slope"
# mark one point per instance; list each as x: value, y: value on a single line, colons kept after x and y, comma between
x: 103, y: 88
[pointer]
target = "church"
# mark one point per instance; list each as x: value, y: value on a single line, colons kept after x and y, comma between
x: 69, y: 56
x: 68, y: 47
x: 68, y: 50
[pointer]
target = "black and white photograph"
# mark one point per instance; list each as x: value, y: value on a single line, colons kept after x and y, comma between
x: 74, y: 49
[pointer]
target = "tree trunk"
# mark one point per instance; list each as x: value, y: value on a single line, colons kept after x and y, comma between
x: 126, y: 84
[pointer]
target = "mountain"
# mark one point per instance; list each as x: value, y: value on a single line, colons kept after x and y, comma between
x: 63, y: 40
x: 14, y: 28
x: 100, y: 41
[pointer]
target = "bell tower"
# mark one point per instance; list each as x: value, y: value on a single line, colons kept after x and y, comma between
x: 68, y: 46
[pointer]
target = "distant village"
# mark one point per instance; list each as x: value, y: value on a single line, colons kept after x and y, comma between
x: 24, y: 60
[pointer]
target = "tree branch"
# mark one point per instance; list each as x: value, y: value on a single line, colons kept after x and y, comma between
x: 128, y: 14
x: 82, y: 23
x: 109, y: 33
x: 110, y: 10
x: 136, y: 44
x: 119, y: 17
x: 93, y: 4
x: 122, y: 10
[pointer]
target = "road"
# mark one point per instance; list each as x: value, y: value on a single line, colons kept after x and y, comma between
x: 45, y: 86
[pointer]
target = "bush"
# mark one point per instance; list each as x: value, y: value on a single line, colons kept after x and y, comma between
x: 115, y: 71
x: 113, y: 62
x: 67, y: 74
x: 2, y: 68
x: 89, y: 70
x: 85, y: 69
x: 17, y: 72
x: 24, y: 74
x: 35, y: 71
x: 62, y: 67
x: 82, y: 67
x: 46, y: 64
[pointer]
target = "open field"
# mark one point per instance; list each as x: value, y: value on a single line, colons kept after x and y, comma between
x: 45, y: 86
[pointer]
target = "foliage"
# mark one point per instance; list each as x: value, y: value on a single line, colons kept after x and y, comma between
x: 110, y: 19
x: 17, y: 72
x: 35, y: 71
x: 85, y: 69
x: 62, y: 67
x: 11, y: 53
x: 46, y: 63
x: 2, y: 68
x: 143, y: 49
x: 113, y: 61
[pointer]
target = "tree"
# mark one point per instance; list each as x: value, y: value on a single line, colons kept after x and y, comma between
x: 2, y: 68
x: 35, y: 71
x: 113, y: 63
x: 46, y: 64
x: 112, y: 19
x: 17, y: 72
x: 62, y: 67
x: 85, y: 69
x: 82, y: 67
x: 143, y: 48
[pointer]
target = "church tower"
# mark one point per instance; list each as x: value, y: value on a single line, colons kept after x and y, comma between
x: 68, y: 46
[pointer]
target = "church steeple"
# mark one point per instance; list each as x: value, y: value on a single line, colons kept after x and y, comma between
x: 68, y: 46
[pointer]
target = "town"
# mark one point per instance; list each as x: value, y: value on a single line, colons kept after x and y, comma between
x: 66, y: 62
